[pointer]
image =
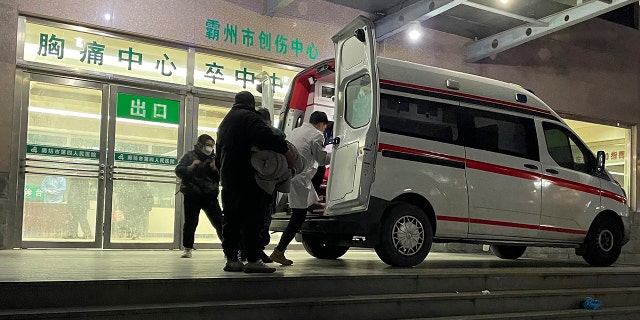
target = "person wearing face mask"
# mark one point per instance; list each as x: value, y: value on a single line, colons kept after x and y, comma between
x: 199, y: 181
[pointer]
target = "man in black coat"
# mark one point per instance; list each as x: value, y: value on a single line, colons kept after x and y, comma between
x: 244, y: 202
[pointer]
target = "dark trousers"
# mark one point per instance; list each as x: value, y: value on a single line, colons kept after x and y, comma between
x: 297, y: 219
x: 265, y: 237
x: 79, y: 216
x: 192, y: 206
x: 244, y: 214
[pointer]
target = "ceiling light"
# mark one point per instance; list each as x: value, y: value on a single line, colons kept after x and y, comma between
x: 107, y: 16
x: 504, y: 1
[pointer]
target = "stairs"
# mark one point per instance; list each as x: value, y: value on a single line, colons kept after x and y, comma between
x: 513, y: 293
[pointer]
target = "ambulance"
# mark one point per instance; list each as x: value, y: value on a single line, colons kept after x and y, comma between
x: 423, y: 155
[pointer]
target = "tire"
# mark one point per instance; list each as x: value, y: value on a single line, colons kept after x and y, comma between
x: 405, y: 236
x: 317, y: 248
x: 603, y: 242
x: 508, y: 252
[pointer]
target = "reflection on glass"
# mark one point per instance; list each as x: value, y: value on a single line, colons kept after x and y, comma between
x: 133, y: 202
x: 56, y: 207
x: 68, y: 218
x: 358, y: 102
x: 209, y: 118
x: 143, y: 206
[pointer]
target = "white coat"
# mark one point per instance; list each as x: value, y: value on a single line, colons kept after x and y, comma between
x: 310, y: 144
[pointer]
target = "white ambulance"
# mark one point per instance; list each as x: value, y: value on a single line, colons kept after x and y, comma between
x: 425, y: 155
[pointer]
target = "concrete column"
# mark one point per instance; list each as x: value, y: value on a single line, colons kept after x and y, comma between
x: 8, y: 38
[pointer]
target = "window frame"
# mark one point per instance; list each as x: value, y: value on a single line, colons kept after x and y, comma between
x: 590, y: 159
x: 531, y: 137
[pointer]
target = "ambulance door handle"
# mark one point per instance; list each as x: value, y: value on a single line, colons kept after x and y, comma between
x: 552, y: 171
x: 531, y: 166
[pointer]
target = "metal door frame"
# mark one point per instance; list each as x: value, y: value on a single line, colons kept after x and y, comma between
x: 190, y: 138
x: 114, y: 89
x: 23, y: 86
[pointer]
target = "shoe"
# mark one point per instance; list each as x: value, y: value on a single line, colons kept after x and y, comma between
x: 278, y: 256
x: 265, y: 258
x: 258, y: 267
x: 186, y: 253
x: 234, y: 266
x: 316, y: 208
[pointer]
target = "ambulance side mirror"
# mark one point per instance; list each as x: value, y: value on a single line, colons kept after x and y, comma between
x: 600, y: 162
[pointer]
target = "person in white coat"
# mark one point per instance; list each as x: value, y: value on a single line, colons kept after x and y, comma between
x: 309, y: 140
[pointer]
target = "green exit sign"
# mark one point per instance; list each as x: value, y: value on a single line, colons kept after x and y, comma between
x: 144, y: 108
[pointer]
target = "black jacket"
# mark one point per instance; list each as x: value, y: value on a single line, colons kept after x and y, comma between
x: 202, y: 180
x: 241, y: 129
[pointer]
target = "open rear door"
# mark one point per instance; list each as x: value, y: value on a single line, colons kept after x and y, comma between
x: 356, y: 119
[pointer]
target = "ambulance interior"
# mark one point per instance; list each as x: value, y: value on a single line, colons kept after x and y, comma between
x: 312, y: 90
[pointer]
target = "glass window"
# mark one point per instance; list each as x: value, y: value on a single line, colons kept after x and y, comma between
x: 358, y: 99
x: 418, y: 118
x: 566, y: 150
x: 143, y: 204
x: 63, y: 134
x: 615, y: 141
x: 210, y: 115
x: 497, y: 132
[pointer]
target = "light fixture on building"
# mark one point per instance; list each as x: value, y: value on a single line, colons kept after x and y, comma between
x: 107, y: 16
x: 414, y: 30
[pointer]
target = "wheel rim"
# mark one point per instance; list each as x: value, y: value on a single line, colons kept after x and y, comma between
x: 605, y: 240
x: 408, y: 235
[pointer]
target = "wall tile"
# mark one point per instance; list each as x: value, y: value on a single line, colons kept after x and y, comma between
x: 8, y: 33
x: 92, y: 12
x: 162, y: 19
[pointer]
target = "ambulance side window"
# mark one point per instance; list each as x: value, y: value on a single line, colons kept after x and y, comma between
x: 567, y: 150
x: 502, y: 133
x: 419, y: 118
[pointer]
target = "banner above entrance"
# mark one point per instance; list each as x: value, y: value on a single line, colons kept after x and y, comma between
x: 226, y: 74
x: 89, y: 51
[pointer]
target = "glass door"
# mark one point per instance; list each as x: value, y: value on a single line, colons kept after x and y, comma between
x: 143, y: 144
x: 63, y: 165
x: 210, y: 114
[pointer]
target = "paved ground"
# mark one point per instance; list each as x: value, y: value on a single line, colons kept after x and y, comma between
x: 82, y: 264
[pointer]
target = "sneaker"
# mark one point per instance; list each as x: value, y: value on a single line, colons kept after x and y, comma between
x: 234, y: 266
x: 186, y: 253
x: 265, y: 258
x: 258, y: 267
x: 278, y: 256
x: 316, y: 208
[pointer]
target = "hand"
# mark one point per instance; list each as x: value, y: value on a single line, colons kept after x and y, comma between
x: 291, y: 162
x: 195, y: 163
x: 213, y: 165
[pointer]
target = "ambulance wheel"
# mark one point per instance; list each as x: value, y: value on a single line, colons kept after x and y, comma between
x: 603, y: 242
x: 318, y: 249
x: 508, y: 252
x: 405, y: 236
